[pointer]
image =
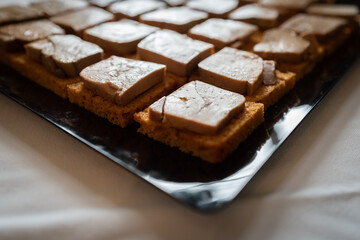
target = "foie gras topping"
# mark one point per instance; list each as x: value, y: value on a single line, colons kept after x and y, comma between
x: 31, y: 31
x: 234, y: 70
x: 333, y: 10
x: 320, y: 26
x: 269, y: 72
x: 178, y: 52
x: 64, y: 55
x: 216, y: 8
x: 78, y: 21
x: 55, y: 7
x: 221, y: 32
x: 252, y: 13
x: 282, y: 45
x: 120, y: 80
x: 119, y: 37
x: 198, y: 107
x: 134, y: 8
x: 17, y: 13
x: 101, y: 3
x: 286, y: 4
x: 175, y: 3
x: 179, y: 19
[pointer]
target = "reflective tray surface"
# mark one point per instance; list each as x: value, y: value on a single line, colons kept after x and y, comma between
x: 200, y: 185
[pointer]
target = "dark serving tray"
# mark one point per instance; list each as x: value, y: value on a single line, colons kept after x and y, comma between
x: 203, y: 186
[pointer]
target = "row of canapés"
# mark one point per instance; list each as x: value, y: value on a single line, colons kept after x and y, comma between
x: 242, y: 68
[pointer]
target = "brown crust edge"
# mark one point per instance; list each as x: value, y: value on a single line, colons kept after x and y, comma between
x: 210, y: 148
x: 37, y: 73
x: 270, y: 94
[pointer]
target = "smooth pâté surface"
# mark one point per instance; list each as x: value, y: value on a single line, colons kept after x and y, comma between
x: 31, y: 31
x: 102, y: 3
x: 179, y: 19
x: 134, y: 8
x: 55, y: 7
x: 198, y: 107
x: 233, y: 69
x: 338, y: 10
x: 255, y: 14
x: 119, y: 37
x: 78, y: 21
x: 216, y: 8
x: 320, y: 26
x: 120, y: 80
x: 286, y: 4
x: 64, y: 55
x: 282, y: 45
x: 222, y: 32
x: 178, y: 52
x: 16, y: 13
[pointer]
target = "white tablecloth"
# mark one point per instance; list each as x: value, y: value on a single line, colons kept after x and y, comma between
x: 54, y: 187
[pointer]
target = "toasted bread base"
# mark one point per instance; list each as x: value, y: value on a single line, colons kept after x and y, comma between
x: 211, y: 148
x: 37, y: 73
x: 121, y: 115
x: 270, y: 94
